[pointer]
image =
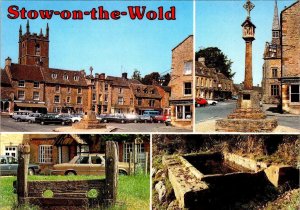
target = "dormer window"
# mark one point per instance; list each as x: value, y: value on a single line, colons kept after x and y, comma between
x: 76, y: 78
x: 152, y: 91
x: 37, y: 49
x: 66, y: 77
x: 145, y: 90
x: 54, y: 76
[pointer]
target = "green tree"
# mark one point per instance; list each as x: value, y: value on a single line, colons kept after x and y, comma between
x: 215, y: 58
x: 150, y: 78
x: 136, y: 75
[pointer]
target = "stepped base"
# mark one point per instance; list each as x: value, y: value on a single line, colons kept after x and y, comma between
x: 89, y: 121
x: 248, y: 114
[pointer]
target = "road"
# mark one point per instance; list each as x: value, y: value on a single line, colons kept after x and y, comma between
x: 222, y: 109
x: 9, y: 125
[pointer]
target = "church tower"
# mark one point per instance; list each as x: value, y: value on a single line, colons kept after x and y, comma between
x: 276, y: 27
x: 33, y: 47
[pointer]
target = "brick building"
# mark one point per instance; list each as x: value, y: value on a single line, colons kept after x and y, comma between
x: 181, y: 84
x: 272, y: 64
x: 210, y: 83
x: 290, y: 62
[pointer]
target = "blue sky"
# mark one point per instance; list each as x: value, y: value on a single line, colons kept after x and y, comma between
x: 218, y: 24
x: 106, y: 45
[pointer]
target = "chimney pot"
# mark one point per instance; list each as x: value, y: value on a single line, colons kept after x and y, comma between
x: 8, y: 61
x: 124, y: 75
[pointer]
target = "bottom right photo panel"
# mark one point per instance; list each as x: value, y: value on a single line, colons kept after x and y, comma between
x: 225, y: 171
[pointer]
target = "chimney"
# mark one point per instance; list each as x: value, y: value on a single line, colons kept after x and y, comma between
x: 102, y: 76
x: 124, y: 75
x: 8, y: 61
x: 201, y: 60
x: 83, y: 72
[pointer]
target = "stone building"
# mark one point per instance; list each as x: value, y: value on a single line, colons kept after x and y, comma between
x: 290, y: 62
x: 272, y: 64
x: 210, y: 83
x: 181, y: 84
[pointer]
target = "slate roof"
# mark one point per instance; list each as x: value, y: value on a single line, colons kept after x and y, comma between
x: 139, y: 91
x: 47, y: 73
x: 121, y: 81
x: 26, y: 72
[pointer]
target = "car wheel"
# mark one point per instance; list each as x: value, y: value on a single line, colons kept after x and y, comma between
x: 198, y: 105
x: 63, y: 123
x: 135, y: 121
x: 145, y: 121
x: 18, y: 120
x: 30, y: 172
x: 70, y: 173
x: 76, y: 121
x: 122, y: 121
x: 105, y: 121
x: 42, y: 123
x: 214, y: 104
x: 29, y: 121
x: 122, y: 173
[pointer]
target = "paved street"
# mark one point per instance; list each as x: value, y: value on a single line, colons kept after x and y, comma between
x: 9, y: 125
x: 222, y: 109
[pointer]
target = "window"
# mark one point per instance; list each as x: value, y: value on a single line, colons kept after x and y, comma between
x: 57, y: 88
x: 275, y: 34
x: 79, y: 100
x: 139, y: 101
x: 120, y: 90
x: 54, y: 75
x: 274, y: 72
x: 36, y: 84
x: 105, y: 98
x: 68, y: 99
x: 96, y: 160
x: 76, y: 78
x: 45, y: 153
x: 152, y: 91
x: 21, y: 94
x: 274, y: 90
x: 36, y: 95
x: 120, y: 100
x: 83, y: 160
x: 105, y: 108
x: 188, y: 68
x: 106, y: 86
x: 151, y: 102
x: 79, y: 90
x: 94, y: 96
x: 79, y: 110
x: 69, y: 90
x: 37, y: 49
x: 66, y: 77
x: 56, y: 109
x: 187, y: 88
x: 145, y: 90
x: 21, y: 83
x: 11, y: 151
x: 183, y: 112
x: 56, y: 99
x: 138, y: 90
x: 128, y: 150
x: 295, y: 93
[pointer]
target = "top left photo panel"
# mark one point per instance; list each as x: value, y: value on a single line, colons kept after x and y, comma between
x: 90, y: 66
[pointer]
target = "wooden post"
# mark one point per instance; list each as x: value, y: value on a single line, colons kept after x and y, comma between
x: 111, y: 172
x: 23, y: 159
x: 146, y: 163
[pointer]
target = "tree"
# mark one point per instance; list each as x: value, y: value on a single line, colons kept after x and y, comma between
x: 150, y: 78
x: 136, y: 75
x: 167, y: 78
x: 215, y: 58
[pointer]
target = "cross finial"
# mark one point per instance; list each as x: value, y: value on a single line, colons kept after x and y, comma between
x: 249, y: 6
x: 91, y: 70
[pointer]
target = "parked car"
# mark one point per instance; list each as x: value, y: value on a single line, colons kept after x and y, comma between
x: 133, y: 118
x: 160, y: 118
x: 200, y: 102
x: 87, y: 164
x: 119, y: 118
x: 21, y: 115
x: 9, y: 166
x: 53, y: 119
x: 31, y: 117
x: 219, y: 99
x: 149, y: 115
x: 76, y: 118
x: 211, y: 102
x: 100, y: 116
x: 234, y: 97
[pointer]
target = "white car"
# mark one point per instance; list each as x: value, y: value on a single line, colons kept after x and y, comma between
x: 211, y: 102
x: 76, y: 118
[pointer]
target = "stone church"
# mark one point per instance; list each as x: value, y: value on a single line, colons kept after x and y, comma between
x: 281, y: 68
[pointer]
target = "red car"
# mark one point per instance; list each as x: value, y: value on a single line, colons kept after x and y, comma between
x: 200, y: 102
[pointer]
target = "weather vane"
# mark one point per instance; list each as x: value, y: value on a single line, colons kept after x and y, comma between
x: 249, y: 6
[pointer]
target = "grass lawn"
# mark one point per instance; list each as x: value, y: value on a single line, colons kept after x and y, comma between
x: 133, y: 191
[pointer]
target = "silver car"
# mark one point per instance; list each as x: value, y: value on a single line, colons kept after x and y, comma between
x: 31, y: 117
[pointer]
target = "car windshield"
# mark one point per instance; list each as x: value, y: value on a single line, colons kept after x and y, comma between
x: 96, y: 160
x: 12, y: 160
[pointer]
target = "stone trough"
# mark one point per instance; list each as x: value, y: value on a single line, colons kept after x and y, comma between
x: 206, y: 181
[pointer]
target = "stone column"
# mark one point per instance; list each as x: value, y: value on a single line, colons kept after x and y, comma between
x: 23, y: 160
x: 248, y: 82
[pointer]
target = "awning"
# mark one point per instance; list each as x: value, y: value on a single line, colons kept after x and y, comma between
x: 31, y: 105
x: 69, y: 139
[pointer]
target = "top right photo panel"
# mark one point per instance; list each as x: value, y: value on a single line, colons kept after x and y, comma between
x: 247, y: 66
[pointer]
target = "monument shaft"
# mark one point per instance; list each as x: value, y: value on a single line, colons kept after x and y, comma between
x: 248, y: 82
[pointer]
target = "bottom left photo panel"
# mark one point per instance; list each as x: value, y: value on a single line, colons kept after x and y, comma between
x: 75, y: 171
